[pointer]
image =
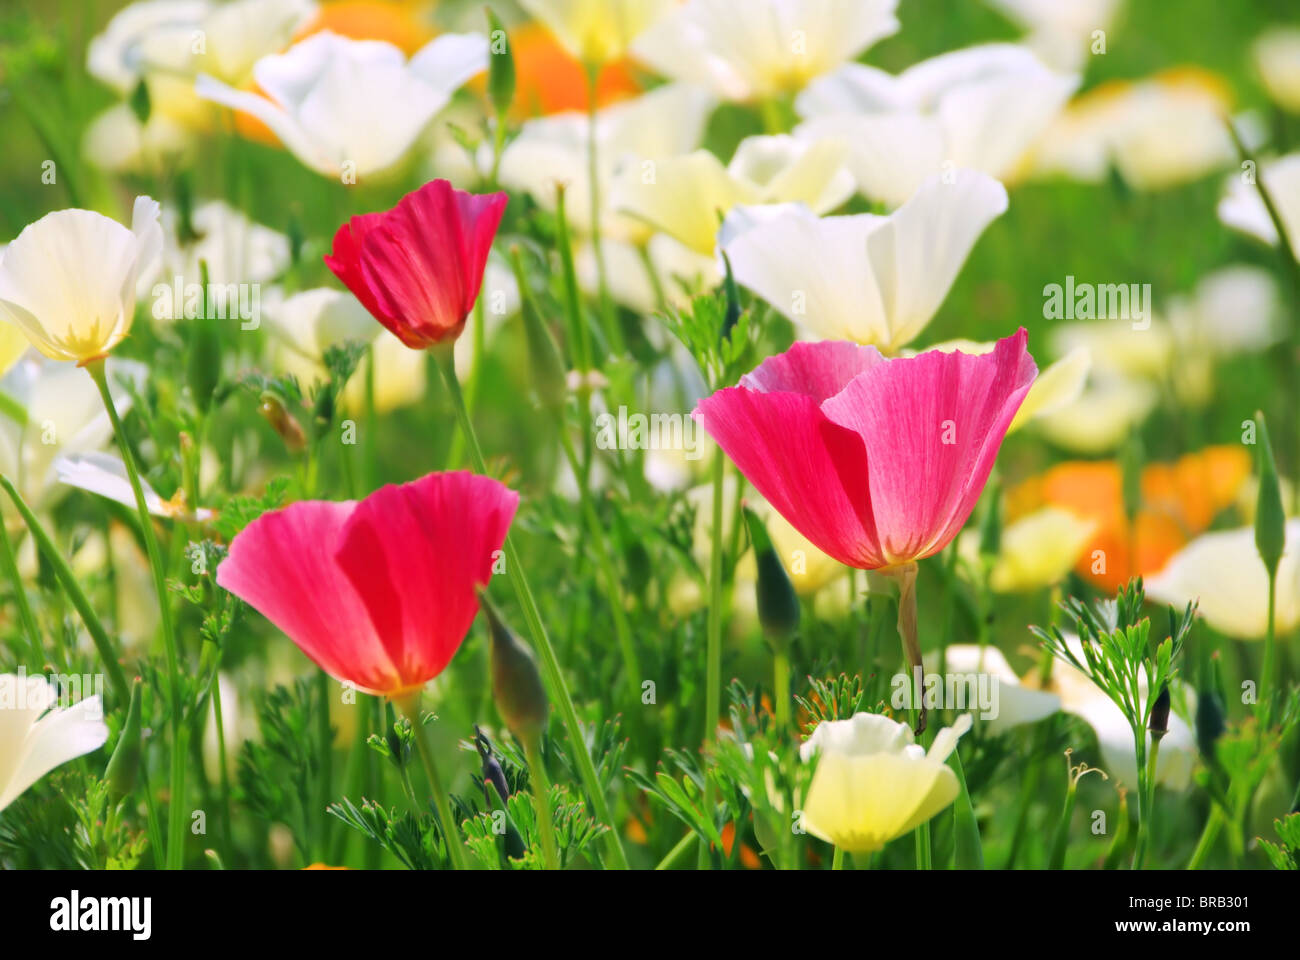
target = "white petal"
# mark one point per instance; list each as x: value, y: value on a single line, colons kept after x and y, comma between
x: 449, y: 61
x: 1223, y: 571
x: 59, y: 736
x: 812, y: 271
x: 918, y: 251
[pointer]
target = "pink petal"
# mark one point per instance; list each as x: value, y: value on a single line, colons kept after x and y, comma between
x: 415, y: 555
x: 817, y: 370
x: 345, y: 261
x: 922, y: 488
x: 282, y: 564
x: 812, y: 471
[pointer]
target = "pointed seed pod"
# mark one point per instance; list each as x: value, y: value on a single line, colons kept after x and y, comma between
x: 516, y: 683
x: 125, y: 762
x: 778, y: 605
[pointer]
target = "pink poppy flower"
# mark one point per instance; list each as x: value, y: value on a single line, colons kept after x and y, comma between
x: 379, y: 592
x: 877, y: 462
x: 418, y: 267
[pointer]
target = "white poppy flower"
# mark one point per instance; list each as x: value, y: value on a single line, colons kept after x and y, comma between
x: 105, y: 474
x: 1243, y: 209
x: 37, y: 735
x: 1233, y: 310
x: 1223, y: 572
x: 1101, y: 417
x: 980, y: 108
x: 762, y: 48
x: 1081, y: 697
x: 1277, y: 61
x: 118, y: 142
x: 65, y: 416
x: 1016, y: 704
x: 1117, y: 346
x: 69, y: 281
x: 873, y: 783
x: 354, y: 107
x: 631, y: 135
x: 1157, y: 133
x: 870, y: 279
x: 233, y: 247
x: 1064, y: 34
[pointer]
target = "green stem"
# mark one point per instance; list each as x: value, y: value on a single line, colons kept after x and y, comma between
x: 609, y: 578
x: 713, y: 653
x: 1213, y: 824
x: 177, y: 792
x: 20, y: 598
x: 325, y: 736
x: 72, y: 589
x: 781, y: 688
x: 677, y: 852
x: 837, y: 859
x: 1144, y: 811
x: 1270, y: 654
x: 410, y: 707
x: 559, y: 688
x: 224, y: 778
x: 542, y: 801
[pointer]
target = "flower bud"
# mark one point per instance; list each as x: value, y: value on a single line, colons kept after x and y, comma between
x: 516, y: 682
x: 1158, y: 724
x: 1270, y: 517
x: 125, y: 762
x: 778, y: 605
x: 501, y: 68
x: 549, y: 378
x: 283, y: 422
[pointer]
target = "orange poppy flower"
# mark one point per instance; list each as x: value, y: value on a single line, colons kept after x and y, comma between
x: 1179, y: 501
x: 550, y: 80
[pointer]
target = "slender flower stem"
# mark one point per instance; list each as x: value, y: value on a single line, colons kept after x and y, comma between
x: 542, y: 801
x: 555, y: 681
x: 1270, y: 654
x: 1213, y: 824
x: 175, y: 813
x: 224, y: 777
x: 905, y: 575
x: 325, y: 734
x: 608, y: 320
x: 837, y: 859
x: 1144, y: 795
x: 713, y: 654
x: 672, y: 856
x: 609, y: 578
x: 781, y: 688
x: 20, y: 598
x: 72, y: 589
x: 410, y: 708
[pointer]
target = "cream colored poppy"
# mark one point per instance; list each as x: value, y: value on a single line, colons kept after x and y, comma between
x: 873, y: 783
x: 1277, y: 60
x: 1222, y: 571
x: 597, y: 31
x: 69, y: 281
x: 687, y: 197
x: 1037, y: 550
